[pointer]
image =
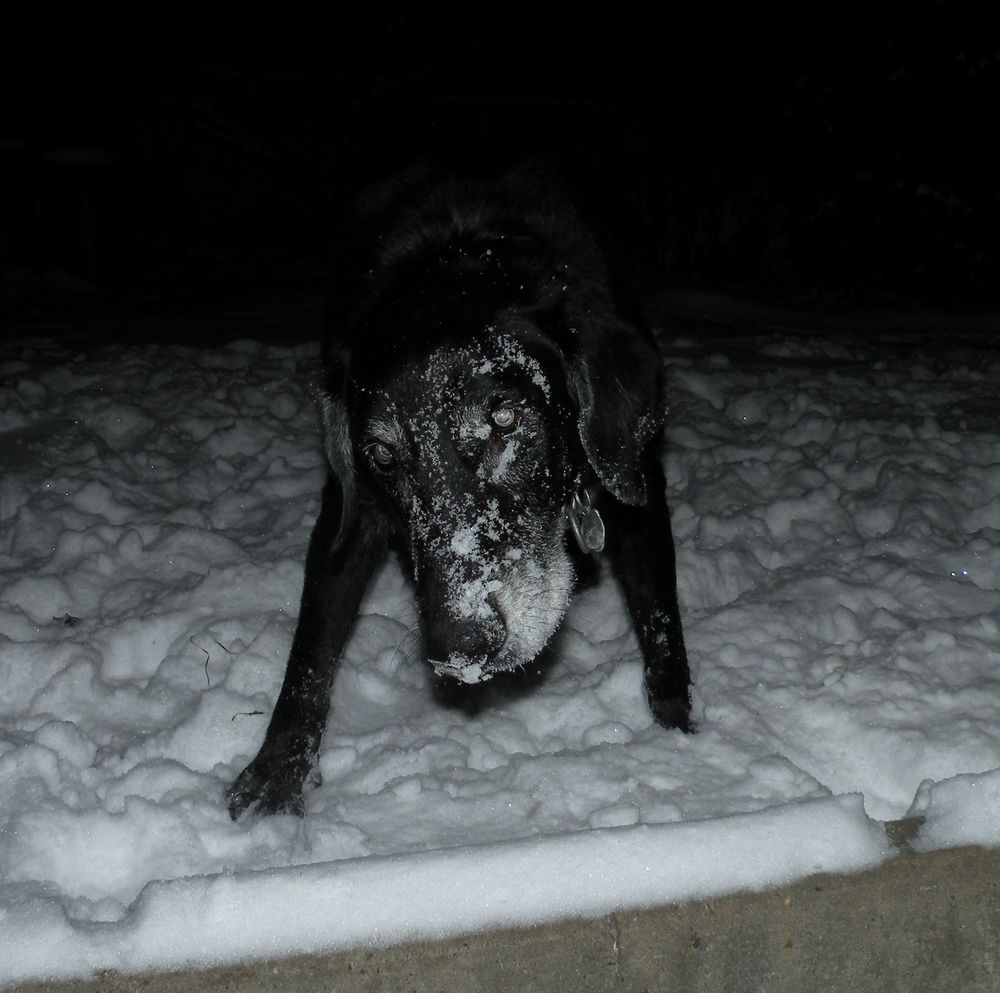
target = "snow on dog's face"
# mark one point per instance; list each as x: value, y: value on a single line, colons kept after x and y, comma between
x: 470, y: 444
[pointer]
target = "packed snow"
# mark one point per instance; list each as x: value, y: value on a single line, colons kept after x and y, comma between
x: 836, y: 506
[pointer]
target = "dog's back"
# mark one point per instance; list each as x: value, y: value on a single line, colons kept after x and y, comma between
x: 433, y: 225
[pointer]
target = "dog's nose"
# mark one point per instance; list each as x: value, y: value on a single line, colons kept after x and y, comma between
x: 476, y: 638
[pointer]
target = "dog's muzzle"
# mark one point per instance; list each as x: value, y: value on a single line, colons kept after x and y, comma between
x: 512, y: 624
x: 585, y: 522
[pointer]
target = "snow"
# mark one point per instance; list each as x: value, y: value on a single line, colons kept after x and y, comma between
x: 836, y: 506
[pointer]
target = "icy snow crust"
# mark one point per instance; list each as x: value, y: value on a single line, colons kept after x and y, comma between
x: 836, y: 508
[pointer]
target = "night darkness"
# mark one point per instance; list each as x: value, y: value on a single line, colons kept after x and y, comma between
x: 831, y: 157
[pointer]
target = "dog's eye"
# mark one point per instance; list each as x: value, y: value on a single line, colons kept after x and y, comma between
x: 381, y: 456
x: 505, y: 419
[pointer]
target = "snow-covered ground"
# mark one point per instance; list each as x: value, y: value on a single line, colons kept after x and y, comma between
x: 836, y: 505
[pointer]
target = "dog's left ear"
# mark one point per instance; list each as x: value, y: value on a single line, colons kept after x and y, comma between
x: 617, y: 376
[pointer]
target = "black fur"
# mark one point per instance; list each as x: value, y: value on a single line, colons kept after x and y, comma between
x: 477, y: 372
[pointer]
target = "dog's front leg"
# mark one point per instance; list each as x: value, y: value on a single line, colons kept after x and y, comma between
x: 641, y: 549
x: 335, y: 581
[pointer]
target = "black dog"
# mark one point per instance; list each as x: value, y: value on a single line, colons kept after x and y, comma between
x: 483, y: 395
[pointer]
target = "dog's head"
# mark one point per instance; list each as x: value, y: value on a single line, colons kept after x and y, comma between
x: 470, y: 444
x: 471, y: 399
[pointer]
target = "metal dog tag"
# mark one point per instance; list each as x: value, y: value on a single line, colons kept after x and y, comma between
x: 586, y: 523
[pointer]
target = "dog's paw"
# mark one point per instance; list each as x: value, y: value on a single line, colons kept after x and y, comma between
x: 249, y: 794
x: 674, y: 712
x: 269, y: 787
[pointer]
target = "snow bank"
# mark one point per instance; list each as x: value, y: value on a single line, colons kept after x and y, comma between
x: 202, y: 921
x: 836, y: 505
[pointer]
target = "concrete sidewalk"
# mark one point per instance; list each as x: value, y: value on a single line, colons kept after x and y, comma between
x: 917, y: 924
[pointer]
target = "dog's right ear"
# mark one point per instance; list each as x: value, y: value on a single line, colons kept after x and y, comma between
x: 337, y: 436
x: 615, y: 375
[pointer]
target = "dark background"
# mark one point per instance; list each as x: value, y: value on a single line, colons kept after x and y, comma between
x: 826, y: 155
